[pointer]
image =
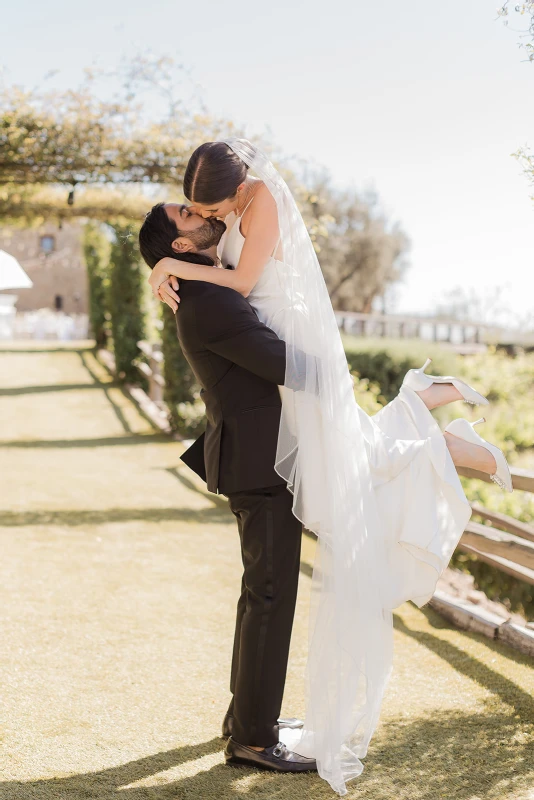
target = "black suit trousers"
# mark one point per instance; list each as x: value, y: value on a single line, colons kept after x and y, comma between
x: 270, y: 546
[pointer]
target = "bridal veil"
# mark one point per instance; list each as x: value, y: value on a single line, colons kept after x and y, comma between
x: 323, y: 455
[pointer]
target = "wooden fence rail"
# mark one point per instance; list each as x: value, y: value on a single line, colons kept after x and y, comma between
x: 500, y: 540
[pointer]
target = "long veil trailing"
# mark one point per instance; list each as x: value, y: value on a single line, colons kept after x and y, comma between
x: 323, y: 455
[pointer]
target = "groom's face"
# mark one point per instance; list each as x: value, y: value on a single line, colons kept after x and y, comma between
x: 194, y: 233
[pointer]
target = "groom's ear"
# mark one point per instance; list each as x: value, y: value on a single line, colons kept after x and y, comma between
x: 181, y: 245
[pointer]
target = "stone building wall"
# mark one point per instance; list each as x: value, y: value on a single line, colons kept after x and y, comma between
x: 53, y: 259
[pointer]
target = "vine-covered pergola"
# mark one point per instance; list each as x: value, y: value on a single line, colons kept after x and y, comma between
x: 72, y: 154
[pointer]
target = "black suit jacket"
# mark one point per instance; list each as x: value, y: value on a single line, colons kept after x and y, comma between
x: 239, y: 363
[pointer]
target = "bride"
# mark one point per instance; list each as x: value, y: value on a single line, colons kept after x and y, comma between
x: 381, y: 493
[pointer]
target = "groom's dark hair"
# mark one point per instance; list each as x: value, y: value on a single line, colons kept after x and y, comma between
x: 156, y: 236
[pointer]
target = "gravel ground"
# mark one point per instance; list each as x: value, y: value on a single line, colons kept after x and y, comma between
x: 118, y: 581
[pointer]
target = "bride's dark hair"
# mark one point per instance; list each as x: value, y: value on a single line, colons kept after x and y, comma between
x: 213, y: 174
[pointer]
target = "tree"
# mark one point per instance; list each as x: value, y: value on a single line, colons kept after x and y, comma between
x: 524, y: 11
x: 96, y: 248
x: 127, y: 280
x: 29, y: 205
x: 361, y: 252
x: 55, y: 144
x: 75, y: 137
x: 521, y: 10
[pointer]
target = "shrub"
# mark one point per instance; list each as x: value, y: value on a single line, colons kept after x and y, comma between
x: 386, y: 361
x: 96, y: 249
x: 127, y: 285
x: 182, y: 393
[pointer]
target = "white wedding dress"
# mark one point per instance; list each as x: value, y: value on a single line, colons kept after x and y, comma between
x: 381, y: 492
x: 420, y: 498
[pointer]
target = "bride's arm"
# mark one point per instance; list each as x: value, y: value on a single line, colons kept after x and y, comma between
x: 261, y: 239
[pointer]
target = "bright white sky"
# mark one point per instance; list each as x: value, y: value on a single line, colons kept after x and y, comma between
x: 424, y: 101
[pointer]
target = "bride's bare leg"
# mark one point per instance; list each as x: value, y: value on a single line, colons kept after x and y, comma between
x: 439, y: 394
x: 465, y: 454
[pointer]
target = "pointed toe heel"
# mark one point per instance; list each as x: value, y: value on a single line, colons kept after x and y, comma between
x: 463, y: 429
x: 418, y: 381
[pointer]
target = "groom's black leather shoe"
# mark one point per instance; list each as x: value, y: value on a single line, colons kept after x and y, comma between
x: 290, y: 722
x: 277, y: 758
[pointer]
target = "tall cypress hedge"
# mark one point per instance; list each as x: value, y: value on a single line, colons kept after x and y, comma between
x: 186, y: 411
x: 126, y: 284
x: 96, y: 250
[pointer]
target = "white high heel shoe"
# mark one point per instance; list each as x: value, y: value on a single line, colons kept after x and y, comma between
x: 464, y: 429
x: 417, y: 380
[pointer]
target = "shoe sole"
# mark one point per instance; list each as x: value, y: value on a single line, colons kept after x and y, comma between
x: 232, y: 762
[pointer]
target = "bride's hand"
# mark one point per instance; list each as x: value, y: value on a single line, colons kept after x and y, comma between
x: 167, y: 292
x: 164, y: 285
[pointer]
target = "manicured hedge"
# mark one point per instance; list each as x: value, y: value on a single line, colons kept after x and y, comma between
x: 127, y: 284
x: 186, y: 411
x: 386, y: 361
x: 96, y: 249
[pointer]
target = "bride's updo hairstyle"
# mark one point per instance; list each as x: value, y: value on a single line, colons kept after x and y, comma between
x: 213, y: 174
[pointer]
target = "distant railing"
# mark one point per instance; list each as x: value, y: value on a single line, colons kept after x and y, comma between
x: 502, y: 541
x: 450, y: 331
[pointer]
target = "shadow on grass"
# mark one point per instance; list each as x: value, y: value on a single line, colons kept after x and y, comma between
x: 38, y: 350
x: 54, y: 387
x: 107, y: 441
x: 450, y: 755
x: 105, y: 386
x: 83, y: 517
x: 509, y: 692
x: 218, y: 500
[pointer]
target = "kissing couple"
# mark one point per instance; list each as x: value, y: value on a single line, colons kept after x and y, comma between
x: 289, y: 446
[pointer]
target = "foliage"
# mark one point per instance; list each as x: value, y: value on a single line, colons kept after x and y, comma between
x: 127, y: 283
x: 525, y: 157
x: 385, y: 362
x: 74, y: 137
x: 31, y: 205
x: 508, y: 383
x: 525, y: 11
x: 182, y: 393
x: 517, y: 595
x: 96, y: 249
x: 368, y: 394
x: 361, y: 251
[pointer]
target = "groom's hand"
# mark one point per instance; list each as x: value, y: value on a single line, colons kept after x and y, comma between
x: 168, y: 292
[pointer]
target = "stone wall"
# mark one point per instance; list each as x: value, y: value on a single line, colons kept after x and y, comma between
x: 53, y: 259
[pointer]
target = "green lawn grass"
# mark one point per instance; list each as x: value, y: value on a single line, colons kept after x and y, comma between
x: 119, y: 577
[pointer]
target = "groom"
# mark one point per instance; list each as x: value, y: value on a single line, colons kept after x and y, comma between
x: 240, y: 363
